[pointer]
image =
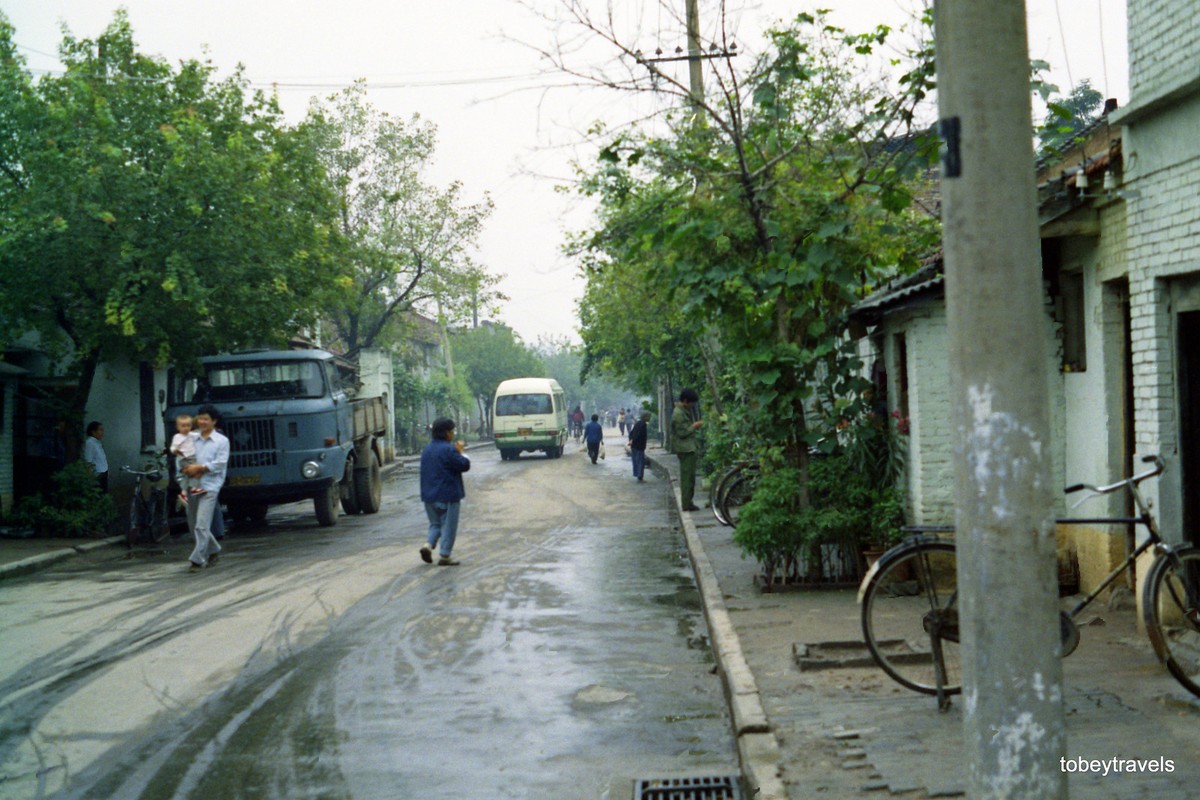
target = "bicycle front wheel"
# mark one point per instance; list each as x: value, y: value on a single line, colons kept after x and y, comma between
x: 910, y: 616
x: 1171, y: 610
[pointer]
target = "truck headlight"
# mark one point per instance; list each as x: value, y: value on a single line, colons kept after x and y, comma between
x: 310, y: 469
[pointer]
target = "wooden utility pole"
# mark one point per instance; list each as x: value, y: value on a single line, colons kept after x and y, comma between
x: 1012, y: 674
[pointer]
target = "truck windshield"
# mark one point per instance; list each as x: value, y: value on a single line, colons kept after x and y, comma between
x: 260, y: 380
x: 515, y: 405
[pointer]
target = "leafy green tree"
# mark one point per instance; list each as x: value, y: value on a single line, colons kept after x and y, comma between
x: 152, y: 212
x: 758, y: 231
x: 487, y: 355
x: 406, y: 243
x: 1067, y: 117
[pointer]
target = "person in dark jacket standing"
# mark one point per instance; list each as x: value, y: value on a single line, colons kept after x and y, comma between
x: 593, y: 435
x: 685, y: 423
x: 442, y: 466
x: 637, y: 445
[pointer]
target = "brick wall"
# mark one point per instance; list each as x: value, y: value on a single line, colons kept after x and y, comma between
x: 1162, y: 157
x: 1164, y: 37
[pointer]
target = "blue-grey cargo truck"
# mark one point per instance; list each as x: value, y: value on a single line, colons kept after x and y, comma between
x: 294, y: 431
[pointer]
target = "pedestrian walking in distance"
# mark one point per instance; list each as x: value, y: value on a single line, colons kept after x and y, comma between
x: 637, y: 445
x: 593, y: 435
x: 442, y: 491
x: 206, y: 476
x: 685, y: 423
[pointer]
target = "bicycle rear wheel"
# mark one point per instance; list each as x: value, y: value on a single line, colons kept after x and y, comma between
x: 717, y: 489
x: 737, y: 493
x: 1171, y: 610
x: 910, y: 612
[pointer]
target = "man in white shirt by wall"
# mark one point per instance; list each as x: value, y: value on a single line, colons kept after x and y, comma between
x: 93, y: 453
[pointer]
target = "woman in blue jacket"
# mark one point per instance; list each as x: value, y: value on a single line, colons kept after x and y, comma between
x: 442, y: 466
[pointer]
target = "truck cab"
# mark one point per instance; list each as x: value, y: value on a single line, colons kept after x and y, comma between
x: 294, y: 434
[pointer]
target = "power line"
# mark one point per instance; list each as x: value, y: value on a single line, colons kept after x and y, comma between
x: 1062, y: 35
x: 1103, y: 54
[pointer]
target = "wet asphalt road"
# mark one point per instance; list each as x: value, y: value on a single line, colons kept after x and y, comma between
x: 565, y: 657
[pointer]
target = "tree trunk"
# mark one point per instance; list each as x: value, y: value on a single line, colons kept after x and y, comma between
x: 85, y: 373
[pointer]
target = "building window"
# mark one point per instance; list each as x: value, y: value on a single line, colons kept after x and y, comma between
x: 1074, y: 350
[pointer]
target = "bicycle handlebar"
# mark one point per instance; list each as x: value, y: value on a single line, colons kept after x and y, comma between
x: 153, y: 474
x: 1133, y: 479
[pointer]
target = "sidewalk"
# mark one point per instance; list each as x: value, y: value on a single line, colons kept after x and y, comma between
x: 851, y: 732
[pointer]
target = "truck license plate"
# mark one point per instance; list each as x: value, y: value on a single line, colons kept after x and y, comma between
x: 244, y: 480
x: 525, y: 431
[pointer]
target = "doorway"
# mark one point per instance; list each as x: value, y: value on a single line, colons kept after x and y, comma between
x: 1187, y: 327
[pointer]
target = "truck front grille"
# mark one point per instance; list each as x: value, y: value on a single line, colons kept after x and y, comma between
x: 251, y: 443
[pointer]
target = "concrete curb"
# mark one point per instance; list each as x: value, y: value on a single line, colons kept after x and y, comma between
x: 758, y: 747
x: 42, y: 560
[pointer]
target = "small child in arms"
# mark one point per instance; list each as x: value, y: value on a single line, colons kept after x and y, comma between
x: 183, y: 447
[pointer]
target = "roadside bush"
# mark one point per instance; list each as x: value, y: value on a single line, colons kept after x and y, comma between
x: 73, y: 506
x: 846, y: 509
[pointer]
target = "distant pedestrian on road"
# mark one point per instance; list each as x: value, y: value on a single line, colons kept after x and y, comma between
x: 577, y: 423
x: 621, y: 421
x: 685, y: 422
x: 637, y: 445
x: 212, y: 460
x: 442, y: 491
x: 93, y: 453
x: 593, y: 436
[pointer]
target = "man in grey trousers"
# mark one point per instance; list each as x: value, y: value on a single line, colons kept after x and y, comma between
x: 212, y: 458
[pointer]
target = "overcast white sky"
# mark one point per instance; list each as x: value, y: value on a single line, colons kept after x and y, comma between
x: 501, y: 130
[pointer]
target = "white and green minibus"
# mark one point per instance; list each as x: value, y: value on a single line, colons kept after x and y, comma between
x: 529, y: 414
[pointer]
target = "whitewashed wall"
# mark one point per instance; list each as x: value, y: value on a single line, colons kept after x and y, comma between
x: 1162, y: 176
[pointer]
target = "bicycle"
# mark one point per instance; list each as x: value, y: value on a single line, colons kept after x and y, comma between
x: 910, y: 613
x: 148, y: 508
x: 732, y: 489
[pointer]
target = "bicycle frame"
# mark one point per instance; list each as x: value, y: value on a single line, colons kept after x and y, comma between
x: 1145, y: 517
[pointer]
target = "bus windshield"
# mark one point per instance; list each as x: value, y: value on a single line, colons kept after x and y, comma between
x: 516, y: 405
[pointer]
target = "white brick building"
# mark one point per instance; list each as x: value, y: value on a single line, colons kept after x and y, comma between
x: 1122, y: 270
x: 1162, y: 193
x: 1084, y: 340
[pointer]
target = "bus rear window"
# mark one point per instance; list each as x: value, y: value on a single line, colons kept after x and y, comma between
x: 515, y: 405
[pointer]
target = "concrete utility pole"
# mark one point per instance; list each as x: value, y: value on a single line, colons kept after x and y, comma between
x: 695, y: 73
x: 1012, y: 675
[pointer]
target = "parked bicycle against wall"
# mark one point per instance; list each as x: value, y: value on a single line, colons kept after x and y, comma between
x: 148, y: 520
x: 909, y: 601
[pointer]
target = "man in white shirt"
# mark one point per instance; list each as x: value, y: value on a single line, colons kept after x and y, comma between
x: 212, y: 459
x: 93, y: 453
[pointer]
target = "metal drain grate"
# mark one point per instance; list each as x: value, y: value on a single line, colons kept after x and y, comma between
x: 718, y: 787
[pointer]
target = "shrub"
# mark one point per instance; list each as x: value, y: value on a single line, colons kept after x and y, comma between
x: 74, y: 505
x: 845, y: 508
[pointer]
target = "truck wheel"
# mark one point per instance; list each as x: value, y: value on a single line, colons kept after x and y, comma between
x: 368, y: 486
x: 347, y: 490
x: 325, y: 504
